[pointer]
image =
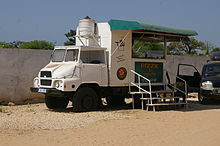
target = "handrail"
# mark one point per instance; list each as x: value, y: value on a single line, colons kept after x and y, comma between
x: 185, y: 84
x: 140, y: 88
x: 140, y: 75
x: 139, y: 84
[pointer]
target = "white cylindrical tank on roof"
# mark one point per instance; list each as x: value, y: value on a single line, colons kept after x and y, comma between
x: 86, y: 26
x: 87, y: 33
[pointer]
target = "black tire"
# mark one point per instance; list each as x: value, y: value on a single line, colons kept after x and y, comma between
x: 85, y: 99
x: 201, y: 99
x: 53, y: 102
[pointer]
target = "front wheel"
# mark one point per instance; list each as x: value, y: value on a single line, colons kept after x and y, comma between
x: 54, y: 102
x: 85, y: 99
x: 201, y: 99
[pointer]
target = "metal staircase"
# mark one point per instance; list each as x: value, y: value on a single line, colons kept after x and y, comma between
x: 170, y: 95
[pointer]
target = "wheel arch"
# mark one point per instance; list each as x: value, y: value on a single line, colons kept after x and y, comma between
x: 94, y: 86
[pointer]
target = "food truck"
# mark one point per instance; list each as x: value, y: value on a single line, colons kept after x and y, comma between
x: 110, y: 60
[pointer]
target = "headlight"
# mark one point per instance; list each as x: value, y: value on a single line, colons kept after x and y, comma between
x: 36, y: 82
x: 207, y: 85
x: 58, y: 84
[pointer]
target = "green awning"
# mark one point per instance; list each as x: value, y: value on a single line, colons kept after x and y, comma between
x: 134, y: 25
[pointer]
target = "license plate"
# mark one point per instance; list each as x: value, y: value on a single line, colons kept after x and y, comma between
x: 42, y: 90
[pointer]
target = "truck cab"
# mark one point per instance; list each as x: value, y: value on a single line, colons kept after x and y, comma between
x: 73, y: 64
x: 71, y: 67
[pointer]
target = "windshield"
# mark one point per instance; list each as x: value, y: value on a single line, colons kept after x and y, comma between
x: 212, y: 70
x: 58, y: 55
x: 71, y: 55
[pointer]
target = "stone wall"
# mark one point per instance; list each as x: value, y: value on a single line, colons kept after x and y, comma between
x: 18, y: 67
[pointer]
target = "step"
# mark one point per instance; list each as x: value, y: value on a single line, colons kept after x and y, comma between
x: 157, y: 92
x: 158, y: 104
x: 137, y: 92
x: 162, y: 91
x: 148, y: 98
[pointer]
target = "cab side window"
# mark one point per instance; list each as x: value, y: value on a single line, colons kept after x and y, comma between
x: 93, y: 57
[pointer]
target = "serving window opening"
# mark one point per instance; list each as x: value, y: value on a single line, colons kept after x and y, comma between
x: 148, y: 46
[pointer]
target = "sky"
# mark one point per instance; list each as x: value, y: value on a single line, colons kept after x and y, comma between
x: 27, y: 20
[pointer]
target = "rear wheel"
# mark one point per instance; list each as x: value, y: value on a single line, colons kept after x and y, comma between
x: 85, y: 99
x: 54, y: 102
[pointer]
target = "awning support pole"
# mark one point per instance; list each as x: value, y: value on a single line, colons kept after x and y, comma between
x: 165, y: 47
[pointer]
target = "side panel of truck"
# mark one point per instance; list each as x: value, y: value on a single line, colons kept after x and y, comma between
x: 120, y: 58
x: 118, y: 44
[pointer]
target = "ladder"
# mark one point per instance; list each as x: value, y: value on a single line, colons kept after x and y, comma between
x: 149, y: 98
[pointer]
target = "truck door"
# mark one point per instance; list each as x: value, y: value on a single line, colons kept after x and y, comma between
x: 94, y: 73
x: 191, y: 75
x: 94, y: 67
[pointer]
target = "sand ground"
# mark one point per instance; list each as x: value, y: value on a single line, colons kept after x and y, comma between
x: 198, y: 125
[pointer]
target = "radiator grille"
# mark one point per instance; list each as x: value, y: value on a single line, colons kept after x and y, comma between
x: 216, y: 84
x: 45, y: 82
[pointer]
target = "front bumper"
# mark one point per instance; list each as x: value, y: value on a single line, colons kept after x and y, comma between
x: 210, y: 94
x: 46, y: 90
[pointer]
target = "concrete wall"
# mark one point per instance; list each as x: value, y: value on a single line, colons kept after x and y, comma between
x: 17, y: 70
x: 173, y: 61
x: 19, y: 67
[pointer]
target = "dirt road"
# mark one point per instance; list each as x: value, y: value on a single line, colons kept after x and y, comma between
x: 34, y: 125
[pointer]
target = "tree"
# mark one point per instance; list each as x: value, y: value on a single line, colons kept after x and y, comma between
x: 71, y: 38
x: 17, y: 43
x: 7, y: 45
x: 140, y: 48
x: 45, y: 45
x: 216, y: 49
x: 188, y: 46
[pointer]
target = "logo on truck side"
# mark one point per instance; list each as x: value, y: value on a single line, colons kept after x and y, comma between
x: 121, y: 73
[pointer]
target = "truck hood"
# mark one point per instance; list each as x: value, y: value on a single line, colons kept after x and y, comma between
x: 60, y: 70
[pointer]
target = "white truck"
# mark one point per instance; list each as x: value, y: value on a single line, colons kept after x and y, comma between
x: 107, y: 58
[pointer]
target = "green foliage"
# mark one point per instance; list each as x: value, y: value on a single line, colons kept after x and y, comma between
x: 71, y: 38
x: 147, y: 45
x: 6, y: 45
x: 216, y: 49
x: 191, y: 47
x: 45, y: 45
x: 140, y: 48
